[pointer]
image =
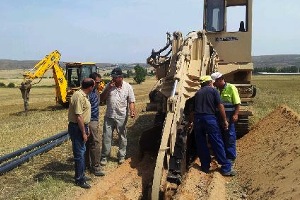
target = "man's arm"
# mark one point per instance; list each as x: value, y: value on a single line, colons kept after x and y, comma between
x: 132, y: 109
x: 80, y: 123
x: 235, y: 116
x: 236, y: 100
x: 223, y: 116
x: 104, y: 94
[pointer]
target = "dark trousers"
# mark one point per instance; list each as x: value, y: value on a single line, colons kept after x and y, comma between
x: 78, y: 147
x: 207, y: 125
x: 93, y: 147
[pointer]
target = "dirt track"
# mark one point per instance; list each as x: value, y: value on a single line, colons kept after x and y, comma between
x: 268, y: 167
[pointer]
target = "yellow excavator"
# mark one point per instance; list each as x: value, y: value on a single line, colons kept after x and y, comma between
x: 66, y: 83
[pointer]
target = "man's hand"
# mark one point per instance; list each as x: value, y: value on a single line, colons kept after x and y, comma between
x: 235, y: 118
x: 190, y: 125
x: 112, y: 84
x: 132, y: 113
x: 225, y: 125
x: 85, y: 137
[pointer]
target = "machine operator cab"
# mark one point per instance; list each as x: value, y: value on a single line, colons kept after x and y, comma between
x: 228, y: 26
x: 76, y: 72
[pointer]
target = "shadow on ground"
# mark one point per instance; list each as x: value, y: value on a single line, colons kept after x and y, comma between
x: 57, y: 170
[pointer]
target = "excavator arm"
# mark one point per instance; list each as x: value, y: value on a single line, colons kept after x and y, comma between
x: 50, y: 61
x: 42, y: 66
x: 61, y: 84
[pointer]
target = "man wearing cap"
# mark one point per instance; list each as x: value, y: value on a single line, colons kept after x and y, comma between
x: 207, y: 101
x: 231, y: 101
x: 120, y: 99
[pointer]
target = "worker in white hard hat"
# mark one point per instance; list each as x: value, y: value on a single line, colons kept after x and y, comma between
x: 231, y: 101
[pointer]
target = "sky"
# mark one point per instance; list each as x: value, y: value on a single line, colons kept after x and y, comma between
x: 126, y: 31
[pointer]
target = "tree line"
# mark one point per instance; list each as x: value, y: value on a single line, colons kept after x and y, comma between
x: 138, y: 74
x: 289, y: 69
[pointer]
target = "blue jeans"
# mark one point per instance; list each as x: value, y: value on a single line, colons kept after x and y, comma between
x: 208, y: 125
x: 78, y: 147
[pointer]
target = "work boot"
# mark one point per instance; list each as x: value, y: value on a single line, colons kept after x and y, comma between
x: 86, y: 178
x: 103, y: 161
x: 99, y: 173
x: 230, y: 173
x: 121, y: 161
x: 83, y: 184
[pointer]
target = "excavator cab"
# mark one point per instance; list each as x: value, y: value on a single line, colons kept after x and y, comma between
x: 75, y: 73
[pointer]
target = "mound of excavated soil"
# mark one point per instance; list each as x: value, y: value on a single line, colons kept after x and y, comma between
x: 269, y: 157
x: 268, y: 167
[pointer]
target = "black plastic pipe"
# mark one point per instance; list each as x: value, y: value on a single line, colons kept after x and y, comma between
x: 26, y: 157
x: 32, y: 146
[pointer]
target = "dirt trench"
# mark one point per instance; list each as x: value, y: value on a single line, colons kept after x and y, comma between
x: 268, y: 167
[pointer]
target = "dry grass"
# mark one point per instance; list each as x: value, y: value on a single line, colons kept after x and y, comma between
x: 50, y: 175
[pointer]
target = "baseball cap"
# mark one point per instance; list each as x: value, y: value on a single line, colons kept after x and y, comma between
x: 216, y: 75
x: 205, y: 79
x: 116, y: 72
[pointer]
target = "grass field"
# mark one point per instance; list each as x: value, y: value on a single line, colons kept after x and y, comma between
x: 50, y: 176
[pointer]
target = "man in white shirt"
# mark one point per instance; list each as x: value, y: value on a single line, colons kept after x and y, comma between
x: 119, y: 97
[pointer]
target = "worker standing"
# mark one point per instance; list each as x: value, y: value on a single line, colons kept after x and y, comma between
x: 93, y: 145
x: 120, y: 101
x: 231, y: 101
x: 79, y: 117
x: 207, y: 101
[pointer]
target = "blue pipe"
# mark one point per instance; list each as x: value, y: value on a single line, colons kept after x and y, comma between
x: 26, y: 157
x: 30, y: 147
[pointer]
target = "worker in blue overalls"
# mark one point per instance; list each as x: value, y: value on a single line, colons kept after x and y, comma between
x: 206, y: 125
x: 231, y: 101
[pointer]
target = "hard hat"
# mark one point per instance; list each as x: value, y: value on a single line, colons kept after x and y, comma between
x: 216, y: 75
x: 205, y: 79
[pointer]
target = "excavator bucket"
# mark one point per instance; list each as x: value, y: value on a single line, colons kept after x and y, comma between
x: 25, y: 89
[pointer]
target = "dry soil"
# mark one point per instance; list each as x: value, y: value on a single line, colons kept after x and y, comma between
x: 268, y: 167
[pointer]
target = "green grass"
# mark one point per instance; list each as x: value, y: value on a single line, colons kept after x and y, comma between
x: 273, y: 91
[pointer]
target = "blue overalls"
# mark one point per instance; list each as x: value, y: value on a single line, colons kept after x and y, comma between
x: 206, y: 125
x: 230, y: 97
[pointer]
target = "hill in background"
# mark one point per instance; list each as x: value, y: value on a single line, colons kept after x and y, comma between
x: 276, y: 60
x: 6, y: 64
x: 258, y: 61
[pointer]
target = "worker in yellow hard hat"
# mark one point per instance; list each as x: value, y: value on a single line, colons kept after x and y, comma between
x: 207, y: 102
